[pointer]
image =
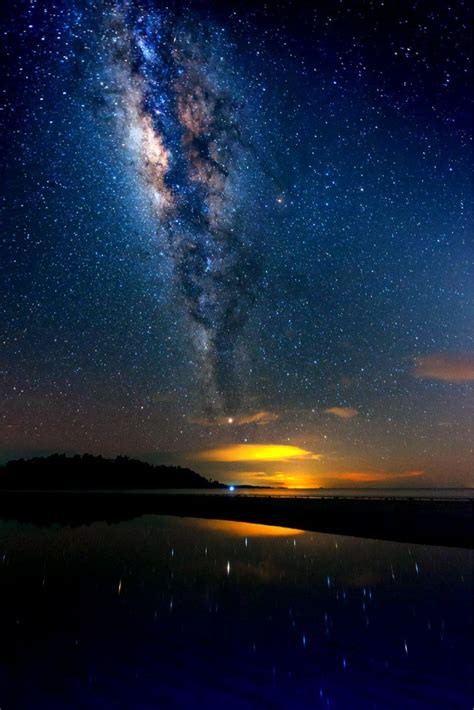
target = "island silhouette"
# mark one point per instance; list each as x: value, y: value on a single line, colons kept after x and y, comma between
x: 78, y: 490
x: 87, y: 472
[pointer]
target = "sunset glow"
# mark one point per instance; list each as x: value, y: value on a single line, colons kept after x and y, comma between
x: 376, y: 476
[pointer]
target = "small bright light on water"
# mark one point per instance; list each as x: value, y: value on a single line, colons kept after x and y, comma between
x: 231, y: 488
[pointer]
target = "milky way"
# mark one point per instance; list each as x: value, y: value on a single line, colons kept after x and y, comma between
x: 183, y: 131
x: 230, y: 223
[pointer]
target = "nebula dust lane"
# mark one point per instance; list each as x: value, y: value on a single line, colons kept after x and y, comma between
x: 182, y: 126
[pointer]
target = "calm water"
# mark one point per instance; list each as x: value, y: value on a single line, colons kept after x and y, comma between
x: 163, y: 612
x: 457, y: 493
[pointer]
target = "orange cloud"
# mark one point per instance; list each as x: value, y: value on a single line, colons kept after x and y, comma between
x: 256, y: 452
x: 372, y: 476
x: 262, y: 417
x: 342, y: 412
x: 445, y: 366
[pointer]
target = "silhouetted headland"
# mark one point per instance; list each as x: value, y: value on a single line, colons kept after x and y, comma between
x: 73, y: 473
x: 85, y: 489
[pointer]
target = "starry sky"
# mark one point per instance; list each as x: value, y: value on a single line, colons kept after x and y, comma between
x: 238, y: 237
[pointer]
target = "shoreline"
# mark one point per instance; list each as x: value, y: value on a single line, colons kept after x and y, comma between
x: 422, y: 521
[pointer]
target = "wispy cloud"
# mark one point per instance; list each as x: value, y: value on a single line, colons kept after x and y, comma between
x: 256, y: 452
x: 262, y: 417
x: 342, y: 412
x: 376, y: 475
x: 447, y: 367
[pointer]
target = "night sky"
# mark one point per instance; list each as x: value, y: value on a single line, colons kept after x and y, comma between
x: 238, y: 237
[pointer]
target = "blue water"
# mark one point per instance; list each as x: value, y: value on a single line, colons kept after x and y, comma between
x: 162, y: 612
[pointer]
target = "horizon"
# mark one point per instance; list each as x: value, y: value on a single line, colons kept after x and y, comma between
x: 231, y: 483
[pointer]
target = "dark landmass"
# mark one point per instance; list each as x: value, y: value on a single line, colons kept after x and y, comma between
x: 84, y: 489
x: 61, y: 472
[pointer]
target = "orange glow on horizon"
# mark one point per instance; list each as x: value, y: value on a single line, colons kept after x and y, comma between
x: 279, y: 479
x: 374, y: 476
x: 333, y: 479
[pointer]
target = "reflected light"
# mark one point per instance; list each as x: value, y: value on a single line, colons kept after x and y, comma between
x: 247, y: 529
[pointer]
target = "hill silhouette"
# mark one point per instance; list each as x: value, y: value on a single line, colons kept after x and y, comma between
x: 87, y: 472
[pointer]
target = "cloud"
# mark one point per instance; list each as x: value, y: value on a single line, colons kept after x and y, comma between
x: 374, y: 476
x: 263, y: 417
x: 342, y: 412
x: 447, y: 367
x: 256, y: 452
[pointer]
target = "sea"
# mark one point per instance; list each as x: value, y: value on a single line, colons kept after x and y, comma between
x: 165, y: 612
x: 234, y: 490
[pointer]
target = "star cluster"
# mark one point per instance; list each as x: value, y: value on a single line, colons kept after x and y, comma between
x: 182, y: 127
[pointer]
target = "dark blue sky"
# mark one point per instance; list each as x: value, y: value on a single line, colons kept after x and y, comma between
x: 240, y: 226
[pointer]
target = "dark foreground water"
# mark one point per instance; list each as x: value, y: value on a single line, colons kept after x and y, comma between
x: 163, y: 612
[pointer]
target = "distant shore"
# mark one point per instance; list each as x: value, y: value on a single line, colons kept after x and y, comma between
x: 431, y: 522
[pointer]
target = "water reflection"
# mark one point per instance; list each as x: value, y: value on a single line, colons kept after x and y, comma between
x: 246, y: 529
x: 163, y: 612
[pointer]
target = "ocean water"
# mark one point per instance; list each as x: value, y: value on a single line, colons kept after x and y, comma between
x: 438, y: 493
x: 162, y: 612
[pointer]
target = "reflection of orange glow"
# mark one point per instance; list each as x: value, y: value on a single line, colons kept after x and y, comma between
x: 247, y: 529
x: 256, y: 452
x: 370, y: 476
x: 447, y: 367
x: 364, y: 579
